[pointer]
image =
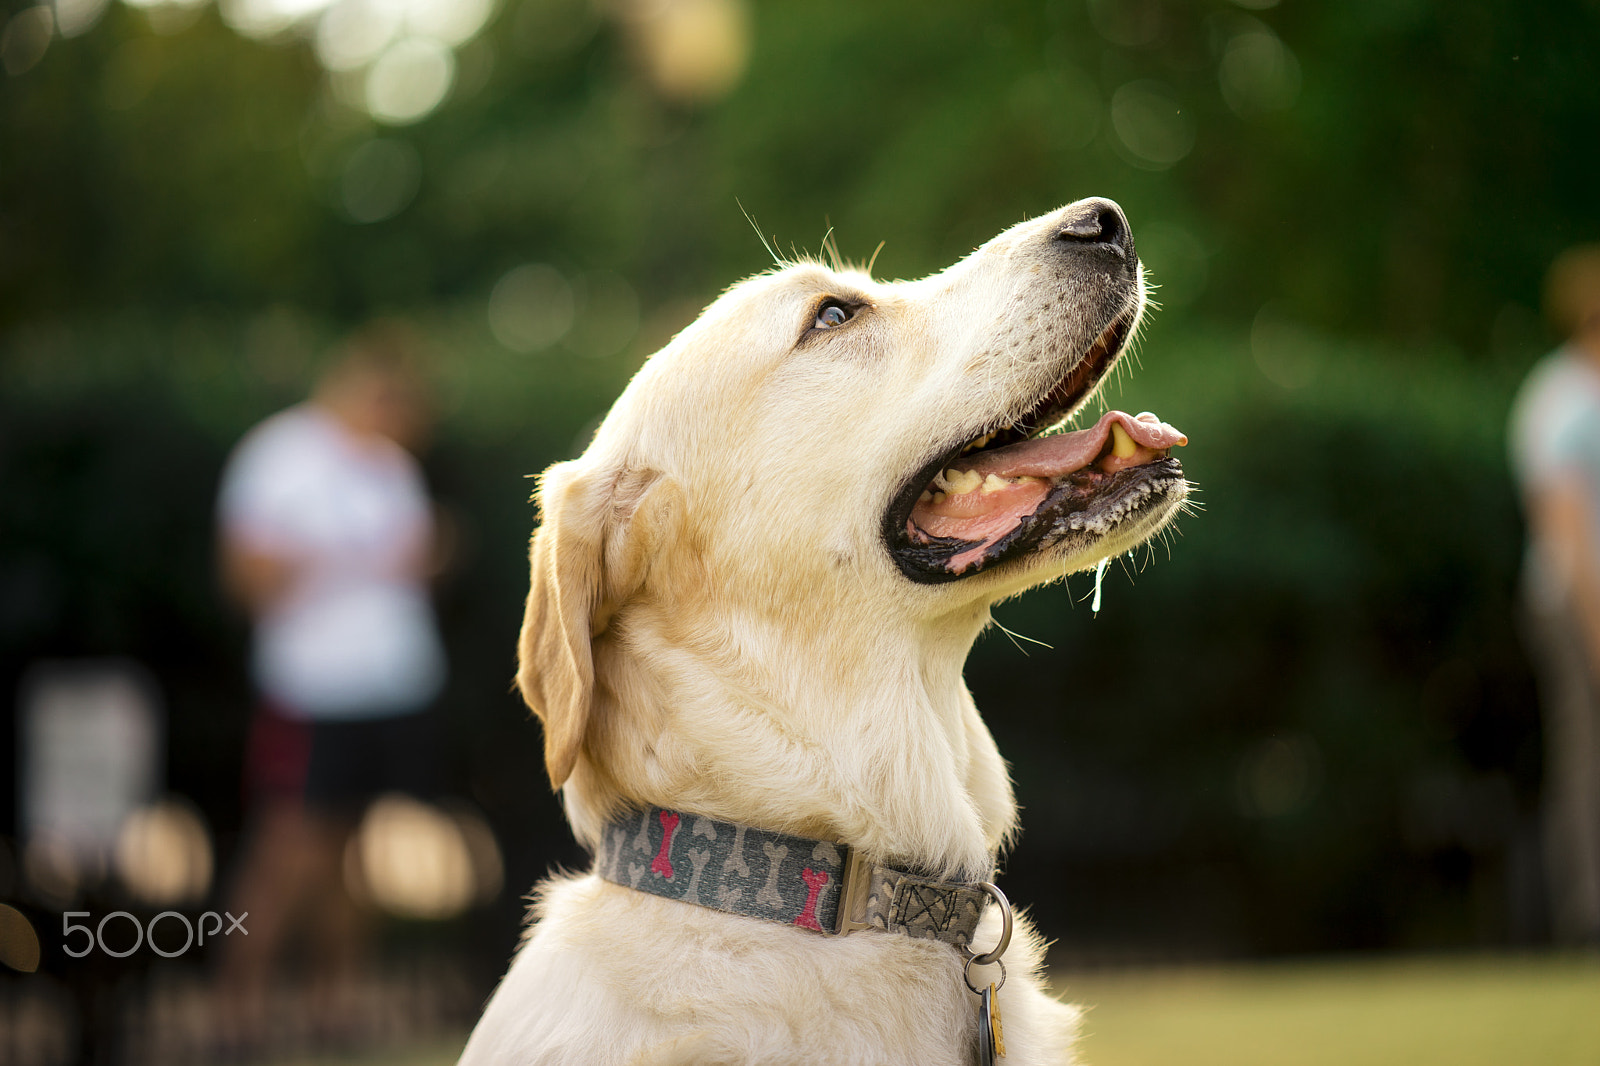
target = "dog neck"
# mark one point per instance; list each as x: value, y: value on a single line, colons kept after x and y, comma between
x: 872, y: 740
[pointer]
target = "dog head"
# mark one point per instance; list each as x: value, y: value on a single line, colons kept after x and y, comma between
x: 827, y: 449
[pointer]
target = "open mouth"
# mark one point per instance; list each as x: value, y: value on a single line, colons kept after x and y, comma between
x: 1010, y: 490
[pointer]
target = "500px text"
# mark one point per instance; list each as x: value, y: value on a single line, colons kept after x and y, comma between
x: 96, y: 936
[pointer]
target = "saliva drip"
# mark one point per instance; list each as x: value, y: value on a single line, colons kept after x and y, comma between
x: 1099, y: 576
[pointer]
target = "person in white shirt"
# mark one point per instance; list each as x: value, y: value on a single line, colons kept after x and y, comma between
x: 327, y: 538
x: 1555, y: 452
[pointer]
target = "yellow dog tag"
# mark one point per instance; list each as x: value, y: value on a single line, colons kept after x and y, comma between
x: 994, y: 1021
x: 991, y: 1035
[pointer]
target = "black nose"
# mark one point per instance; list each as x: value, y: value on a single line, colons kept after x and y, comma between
x: 1098, y: 227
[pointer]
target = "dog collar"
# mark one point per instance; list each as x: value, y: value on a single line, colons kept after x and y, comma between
x: 823, y: 886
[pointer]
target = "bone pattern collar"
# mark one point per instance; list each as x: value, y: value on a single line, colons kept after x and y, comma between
x: 814, y: 884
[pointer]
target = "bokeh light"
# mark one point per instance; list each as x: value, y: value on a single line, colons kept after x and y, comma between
x: 531, y: 307
x: 1278, y: 776
x: 402, y: 52
x: 24, y: 38
x: 267, y: 18
x: 451, y: 22
x: 693, y: 50
x: 1258, y: 72
x: 1151, y: 124
x: 409, y: 80
x: 163, y: 854
x: 354, y: 32
x: 415, y: 860
x: 380, y: 177
x: 19, y: 943
x: 169, y: 16
x: 75, y: 17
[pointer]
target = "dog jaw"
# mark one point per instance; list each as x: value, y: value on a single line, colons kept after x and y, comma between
x: 993, y: 507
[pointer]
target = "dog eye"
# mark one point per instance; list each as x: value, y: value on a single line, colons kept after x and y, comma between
x: 832, y: 314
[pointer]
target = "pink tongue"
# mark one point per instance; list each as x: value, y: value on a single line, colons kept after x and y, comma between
x: 982, y: 518
x: 1066, y: 453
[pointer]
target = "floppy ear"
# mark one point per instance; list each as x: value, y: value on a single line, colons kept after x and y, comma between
x: 592, y: 550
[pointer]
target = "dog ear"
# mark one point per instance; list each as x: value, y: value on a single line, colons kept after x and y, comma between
x: 597, y: 536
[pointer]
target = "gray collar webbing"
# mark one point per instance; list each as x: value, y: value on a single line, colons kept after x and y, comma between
x: 817, y: 885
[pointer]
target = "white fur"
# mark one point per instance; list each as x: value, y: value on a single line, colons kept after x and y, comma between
x: 715, y: 626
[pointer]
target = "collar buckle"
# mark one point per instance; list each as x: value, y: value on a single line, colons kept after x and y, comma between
x: 854, y: 887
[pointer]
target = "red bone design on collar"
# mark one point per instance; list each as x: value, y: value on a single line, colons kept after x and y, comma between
x: 661, y: 864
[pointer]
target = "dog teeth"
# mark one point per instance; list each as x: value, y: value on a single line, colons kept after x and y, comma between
x: 993, y: 484
x: 1122, y: 445
x: 925, y: 497
x: 981, y: 442
x: 938, y: 497
x: 963, y: 481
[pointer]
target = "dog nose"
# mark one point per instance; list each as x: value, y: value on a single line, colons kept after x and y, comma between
x: 1098, y: 227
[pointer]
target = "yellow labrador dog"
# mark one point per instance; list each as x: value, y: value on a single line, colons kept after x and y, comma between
x: 751, y: 601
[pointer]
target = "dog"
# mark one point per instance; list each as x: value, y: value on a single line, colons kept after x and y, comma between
x: 751, y: 600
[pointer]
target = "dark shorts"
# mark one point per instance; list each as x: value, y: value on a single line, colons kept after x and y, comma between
x: 338, y: 767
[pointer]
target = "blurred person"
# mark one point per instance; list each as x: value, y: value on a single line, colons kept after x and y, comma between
x: 1555, y: 450
x: 327, y: 539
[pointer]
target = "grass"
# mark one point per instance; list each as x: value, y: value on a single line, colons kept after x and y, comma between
x: 1469, y: 1011
x: 1466, y: 1011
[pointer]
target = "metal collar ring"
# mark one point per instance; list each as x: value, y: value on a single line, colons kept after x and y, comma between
x: 966, y: 975
x: 999, y: 949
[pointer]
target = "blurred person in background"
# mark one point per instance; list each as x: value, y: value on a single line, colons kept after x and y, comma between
x: 1555, y: 450
x: 328, y: 539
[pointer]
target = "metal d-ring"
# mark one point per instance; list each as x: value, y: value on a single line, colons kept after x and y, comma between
x: 993, y: 956
x: 966, y: 975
